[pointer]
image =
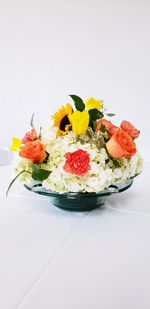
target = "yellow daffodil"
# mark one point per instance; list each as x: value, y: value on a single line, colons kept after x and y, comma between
x: 16, y: 144
x: 61, y: 119
x: 79, y: 121
x: 91, y: 103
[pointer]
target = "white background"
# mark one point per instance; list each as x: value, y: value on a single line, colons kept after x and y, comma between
x: 49, y: 257
x: 49, y: 49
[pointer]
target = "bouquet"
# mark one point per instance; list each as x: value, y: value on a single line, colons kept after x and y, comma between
x: 78, y: 150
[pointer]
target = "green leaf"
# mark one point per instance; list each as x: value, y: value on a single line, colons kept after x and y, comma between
x: 110, y: 114
x: 79, y: 104
x: 38, y: 173
x: 94, y: 125
x: 117, y: 163
x: 95, y: 114
x: 10, y: 185
x: 104, y: 129
x: 31, y: 121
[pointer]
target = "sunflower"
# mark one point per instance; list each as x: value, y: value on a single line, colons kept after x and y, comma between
x: 61, y: 119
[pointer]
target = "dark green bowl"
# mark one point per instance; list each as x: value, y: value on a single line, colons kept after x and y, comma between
x: 79, y: 201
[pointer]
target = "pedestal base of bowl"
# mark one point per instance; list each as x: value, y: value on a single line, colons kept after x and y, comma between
x: 78, y: 203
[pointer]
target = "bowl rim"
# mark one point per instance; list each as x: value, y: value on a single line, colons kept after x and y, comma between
x: 112, y: 189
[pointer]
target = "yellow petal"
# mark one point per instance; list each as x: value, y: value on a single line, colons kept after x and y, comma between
x: 61, y: 113
x: 79, y: 121
x: 92, y: 103
x: 16, y: 144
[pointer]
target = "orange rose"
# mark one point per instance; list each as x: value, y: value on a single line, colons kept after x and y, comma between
x: 34, y: 151
x: 108, y: 125
x: 29, y: 136
x: 130, y: 129
x: 121, y: 145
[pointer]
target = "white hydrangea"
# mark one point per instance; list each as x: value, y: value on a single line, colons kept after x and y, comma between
x: 103, y: 171
x: 20, y: 165
x: 101, y: 174
x: 129, y: 168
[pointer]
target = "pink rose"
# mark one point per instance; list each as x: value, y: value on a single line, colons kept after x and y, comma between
x: 121, y: 145
x: 130, y: 129
x: 108, y: 125
x: 29, y: 136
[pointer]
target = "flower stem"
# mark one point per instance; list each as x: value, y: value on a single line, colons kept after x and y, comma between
x: 10, y: 185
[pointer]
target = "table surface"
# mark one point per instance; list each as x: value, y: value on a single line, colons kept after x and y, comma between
x: 51, y: 258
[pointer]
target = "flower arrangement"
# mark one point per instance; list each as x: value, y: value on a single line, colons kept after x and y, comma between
x: 79, y: 150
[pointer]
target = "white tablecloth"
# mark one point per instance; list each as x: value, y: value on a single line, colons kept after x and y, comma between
x: 50, y: 258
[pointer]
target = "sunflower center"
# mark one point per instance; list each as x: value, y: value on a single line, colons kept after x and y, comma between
x: 64, y: 122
